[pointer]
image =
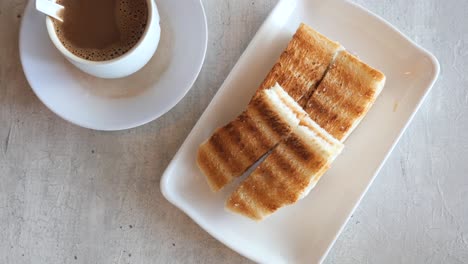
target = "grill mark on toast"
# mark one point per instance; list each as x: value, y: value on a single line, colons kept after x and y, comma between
x: 251, y: 128
x: 306, y: 154
x: 248, y: 145
x: 239, y: 137
x: 275, y: 122
x: 216, y: 178
x: 221, y: 151
x: 275, y: 183
x: 260, y: 198
x: 346, y: 106
x: 270, y: 120
x: 294, y: 144
x: 328, y: 120
x: 293, y: 180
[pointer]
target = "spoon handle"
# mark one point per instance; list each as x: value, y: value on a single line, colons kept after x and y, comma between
x: 50, y: 8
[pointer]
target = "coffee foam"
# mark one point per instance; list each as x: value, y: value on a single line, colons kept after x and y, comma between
x: 131, y: 21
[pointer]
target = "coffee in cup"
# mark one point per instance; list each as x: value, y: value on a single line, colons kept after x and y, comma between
x: 101, y: 30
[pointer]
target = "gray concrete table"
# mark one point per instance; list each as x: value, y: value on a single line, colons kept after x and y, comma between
x: 72, y: 195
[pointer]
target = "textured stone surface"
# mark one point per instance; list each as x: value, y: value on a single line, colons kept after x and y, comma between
x: 72, y: 195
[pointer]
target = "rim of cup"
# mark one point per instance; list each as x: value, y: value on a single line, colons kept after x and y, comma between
x: 59, y: 45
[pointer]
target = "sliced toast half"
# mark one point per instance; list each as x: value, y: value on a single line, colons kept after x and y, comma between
x: 345, y: 95
x: 287, y: 174
x: 232, y: 149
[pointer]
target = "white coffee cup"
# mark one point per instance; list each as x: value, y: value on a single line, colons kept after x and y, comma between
x: 122, y: 66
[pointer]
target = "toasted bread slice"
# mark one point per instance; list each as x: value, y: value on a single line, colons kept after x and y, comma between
x: 232, y: 149
x: 303, y: 64
x: 345, y: 95
x: 287, y: 174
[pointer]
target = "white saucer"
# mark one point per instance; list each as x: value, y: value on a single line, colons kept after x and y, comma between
x: 121, y: 103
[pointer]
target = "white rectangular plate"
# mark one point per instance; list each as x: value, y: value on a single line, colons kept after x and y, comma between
x: 304, y: 233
